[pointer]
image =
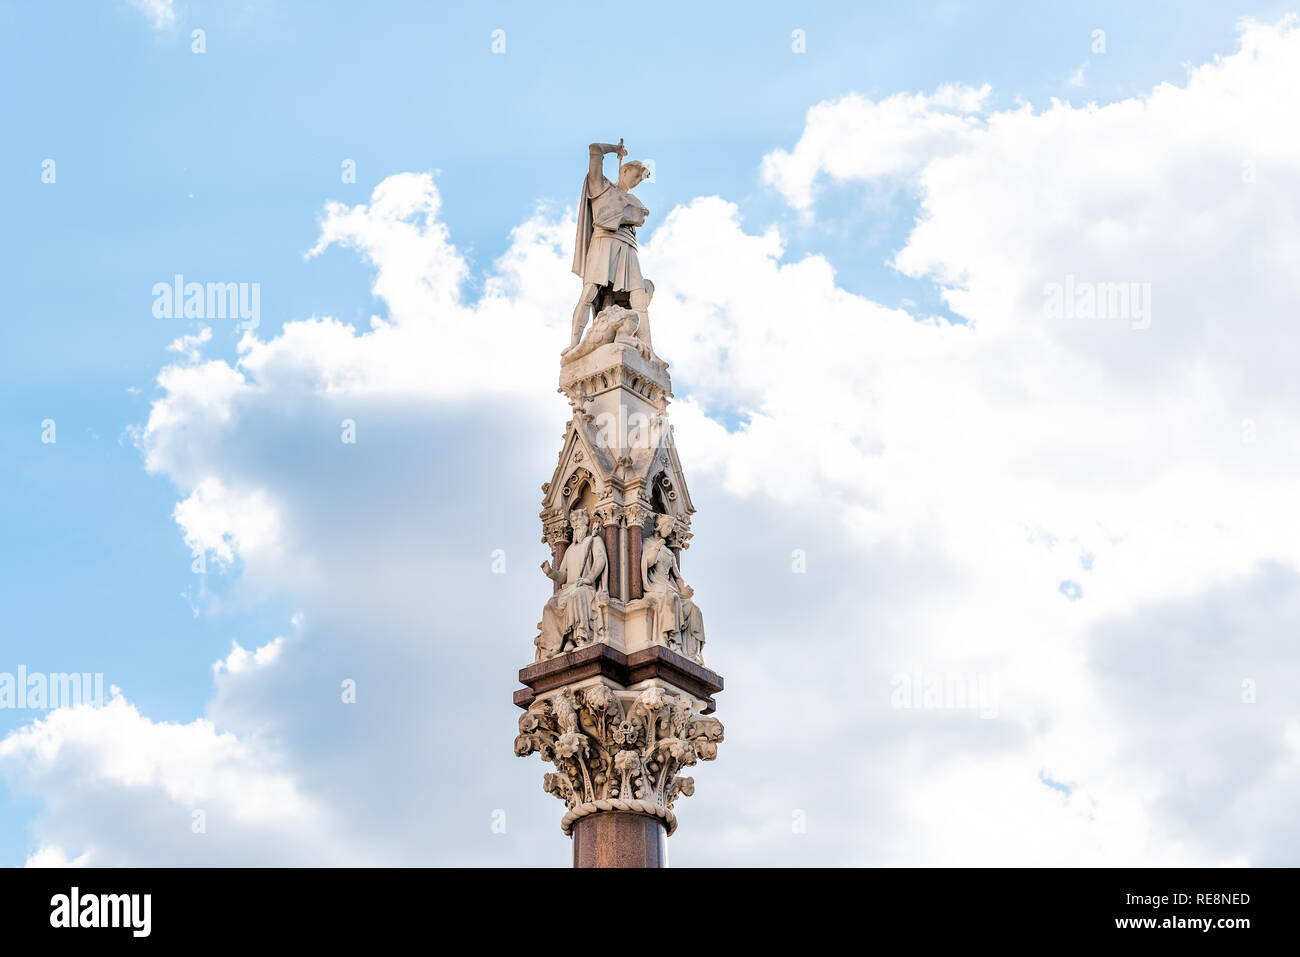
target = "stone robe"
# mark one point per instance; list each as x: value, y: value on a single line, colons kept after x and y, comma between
x: 676, y: 621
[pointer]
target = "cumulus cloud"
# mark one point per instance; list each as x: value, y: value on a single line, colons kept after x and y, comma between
x: 162, y: 12
x: 120, y: 789
x: 241, y: 659
x: 191, y: 346
x: 1128, y: 462
x: 1093, y: 515
x: 218, y: 521
x: 854, y: 139
x: 54, y: 857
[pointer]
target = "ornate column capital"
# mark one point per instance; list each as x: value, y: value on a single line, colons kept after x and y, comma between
x: 637, y: 514
x: 609, y: 513
x: 555, y: 527
x: 618, y: 750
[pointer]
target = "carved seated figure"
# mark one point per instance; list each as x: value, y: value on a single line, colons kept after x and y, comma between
x: 676, y: 621
x: 575, y: 615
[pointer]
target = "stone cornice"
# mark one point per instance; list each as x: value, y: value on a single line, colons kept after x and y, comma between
x: 603, y: 661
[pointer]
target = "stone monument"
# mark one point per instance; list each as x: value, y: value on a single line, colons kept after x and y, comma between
x: 618, y: 698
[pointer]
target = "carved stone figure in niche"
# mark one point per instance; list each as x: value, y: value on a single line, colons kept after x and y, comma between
x: 676, y: 620
x: 604, y: 252
x: 575, y: 615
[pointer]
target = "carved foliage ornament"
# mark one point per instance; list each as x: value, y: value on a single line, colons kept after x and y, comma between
x: 617, y: 752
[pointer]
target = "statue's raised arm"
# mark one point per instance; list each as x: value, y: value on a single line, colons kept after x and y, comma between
x: 596, y: 166
x: 605, y: 250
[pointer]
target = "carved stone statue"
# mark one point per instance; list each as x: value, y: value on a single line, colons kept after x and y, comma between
x: 676, y: 620
x: 604, y: 252
x: 575, y: 615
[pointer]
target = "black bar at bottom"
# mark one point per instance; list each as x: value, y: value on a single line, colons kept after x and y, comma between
x: 505, y: 907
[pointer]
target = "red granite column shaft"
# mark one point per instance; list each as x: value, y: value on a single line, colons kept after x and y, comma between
x: 634, y: 561
x: 618, y: 839
x: 613, y: 556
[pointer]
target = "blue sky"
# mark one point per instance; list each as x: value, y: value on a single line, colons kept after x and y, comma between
x: 218, y: 166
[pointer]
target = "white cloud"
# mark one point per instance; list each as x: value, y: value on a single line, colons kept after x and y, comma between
x: 191, y: 346
x: 241, y: 659
x: 855, y: 138
x: 163, y: 12
x: 219, y: 521
x: 124, y: 790
x: 49, y: 856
